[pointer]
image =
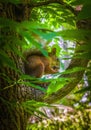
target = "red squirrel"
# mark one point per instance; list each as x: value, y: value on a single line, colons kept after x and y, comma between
x: 37, y: 64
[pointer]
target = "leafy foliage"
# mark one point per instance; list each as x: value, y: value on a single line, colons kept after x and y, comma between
x: 32, y: 106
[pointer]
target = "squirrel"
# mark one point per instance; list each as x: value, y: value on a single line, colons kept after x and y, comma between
x: 37, y: 65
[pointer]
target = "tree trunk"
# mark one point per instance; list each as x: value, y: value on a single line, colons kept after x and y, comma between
x: 12, y: 114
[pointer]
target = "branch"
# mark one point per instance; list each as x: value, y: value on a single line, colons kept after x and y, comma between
x: 38, y: 4
x: 69, y: 87
x: 77, y: 75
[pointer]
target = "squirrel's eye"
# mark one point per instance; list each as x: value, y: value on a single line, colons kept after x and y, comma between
x: 55, y: 67
x: 57, y: 59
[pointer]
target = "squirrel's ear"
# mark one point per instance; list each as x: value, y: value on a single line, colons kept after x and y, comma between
x: 53, y: 51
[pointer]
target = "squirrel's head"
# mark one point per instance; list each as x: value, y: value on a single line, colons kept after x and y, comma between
x: 55, y: 61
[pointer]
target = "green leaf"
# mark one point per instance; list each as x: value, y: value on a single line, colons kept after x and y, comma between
x: 56, y: 84
x: 73, y: 70
x: 32, y: 106
x: 32, y: 25
x: 35, y: 104
x: 44, y: 35
x: 27, y: 77
x: 75, y: 34
x: 31, y: 40
x: 29, y: 84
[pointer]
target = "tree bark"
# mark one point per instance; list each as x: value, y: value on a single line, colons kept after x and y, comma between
x: 12, y: 114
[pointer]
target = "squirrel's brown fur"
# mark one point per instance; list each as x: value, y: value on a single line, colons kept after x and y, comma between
x: 37, y: 64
